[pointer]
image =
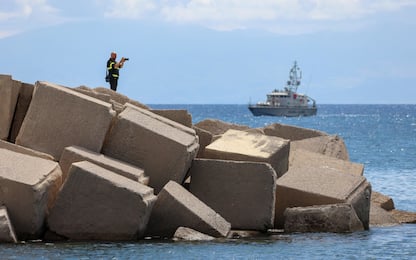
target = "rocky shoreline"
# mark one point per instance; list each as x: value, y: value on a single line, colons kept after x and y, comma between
x: 86, y: 164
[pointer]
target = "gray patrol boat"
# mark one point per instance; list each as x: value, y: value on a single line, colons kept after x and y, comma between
x: 286, y: 102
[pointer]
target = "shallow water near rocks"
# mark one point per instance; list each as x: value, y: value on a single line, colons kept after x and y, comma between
x: 377, y: 243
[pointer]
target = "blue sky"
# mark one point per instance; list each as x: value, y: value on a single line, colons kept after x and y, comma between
x: 217, y: 52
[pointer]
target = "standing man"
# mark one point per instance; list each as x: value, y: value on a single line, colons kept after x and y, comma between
x: 113, y: 68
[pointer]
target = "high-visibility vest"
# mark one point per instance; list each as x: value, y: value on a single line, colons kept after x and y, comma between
x: 111, y: 69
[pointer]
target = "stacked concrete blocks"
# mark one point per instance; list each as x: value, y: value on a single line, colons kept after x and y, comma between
x: 163, y: 148
x: 74, y: 154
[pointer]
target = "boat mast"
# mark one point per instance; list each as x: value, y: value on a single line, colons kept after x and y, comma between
x: 295, y: 75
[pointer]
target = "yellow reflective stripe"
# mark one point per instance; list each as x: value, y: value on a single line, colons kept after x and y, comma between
x: 114, y: 75
x: 111, y: 64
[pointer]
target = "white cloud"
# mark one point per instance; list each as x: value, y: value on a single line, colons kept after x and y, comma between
x: 129, y: 9
x: 22, y: 9
x: 279, y: 16
x: 5, y: 34
x: 283, y: 16
x: 20, y: 15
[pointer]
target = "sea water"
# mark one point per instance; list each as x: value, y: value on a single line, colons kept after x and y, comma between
x: 382, y: 137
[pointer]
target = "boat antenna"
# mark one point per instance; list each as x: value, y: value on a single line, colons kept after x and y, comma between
x: 295, y: 75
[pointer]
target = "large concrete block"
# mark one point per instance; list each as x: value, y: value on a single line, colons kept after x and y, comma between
x: 218, y: 127
x: 74, y: 154
x: 9, y: 92
x: 338, y: 218
x: 404, y: 216
x: 303, y: 159
x: 188, y: 234
x: 241, y: 192
x: 28, y: 188
x: 302, y: 187
x: 162, y: 147
x: 7, y: 234
x: 330, y: 145
x: 291, y: 133
x: 24, y: 150
x: 59, y: 117
x: 205, y: 138
x: 381, y: 217
x: 119, y: 98
x: 23, y: 102
x: 382, y: 201
x: 244, y: 146
x: 176, y: 207
x: 97, y: 204
x: 92, y: 93
x: 180, y: 116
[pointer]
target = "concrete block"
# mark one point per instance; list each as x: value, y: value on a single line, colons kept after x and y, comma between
x: 218, y: 127
x: 244, y: 146
x: 188, y: 234
x: 97, y: 204
x: 241, y: 192
x: 24, y: 150
x: 7, y: 234
x: 92, y: 93
x: 380, y: 217
x: 117, y: 106
x: 292, y: 133
x: 23, y: 102
x: 176, y: 207
x: 302, y: 187
x: 250, y: 234
x: 9, y: 92
x: 119, y: 98
x: 162, y: 147
x: 404, y: 216
x: 205, y: 138
x: 384, y: 201
x: 180, y: 116
x: 303, y: 159
x: 337, y: 218
x: 73, y: 154
x: 28, y: 188
x: 59, y: 117
x: 330, y: 145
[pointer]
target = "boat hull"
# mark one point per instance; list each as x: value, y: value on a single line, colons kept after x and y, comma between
x: 282, y: 111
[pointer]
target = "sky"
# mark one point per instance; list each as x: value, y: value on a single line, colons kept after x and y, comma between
x: 217, y: 51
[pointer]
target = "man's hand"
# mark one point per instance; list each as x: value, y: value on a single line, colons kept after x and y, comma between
x: 120, y: 64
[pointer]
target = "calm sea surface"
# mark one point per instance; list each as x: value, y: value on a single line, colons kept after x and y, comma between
x: 382, y: 137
